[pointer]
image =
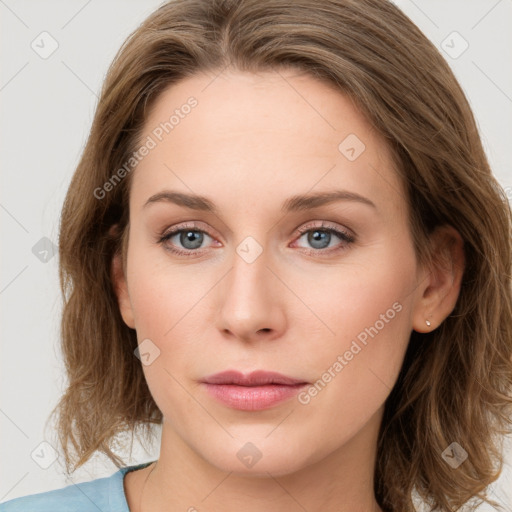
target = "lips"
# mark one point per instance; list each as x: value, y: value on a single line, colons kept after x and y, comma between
x: 256, y: 378
x: 253, y: 392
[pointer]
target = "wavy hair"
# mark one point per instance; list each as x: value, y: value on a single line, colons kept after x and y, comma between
x: 455, y: 383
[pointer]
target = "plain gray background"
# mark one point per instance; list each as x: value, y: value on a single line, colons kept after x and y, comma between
x: 47, y: 104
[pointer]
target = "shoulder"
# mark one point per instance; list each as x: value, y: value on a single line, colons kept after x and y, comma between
x: 81, y: 497
x: 105, y: 494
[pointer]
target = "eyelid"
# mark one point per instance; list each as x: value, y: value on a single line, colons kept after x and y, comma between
x: 326, y: 225
x: 344, y: 234
x: 198, y: 225
x: 194, y: 225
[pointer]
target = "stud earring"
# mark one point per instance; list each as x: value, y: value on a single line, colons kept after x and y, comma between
x: 428, y: 323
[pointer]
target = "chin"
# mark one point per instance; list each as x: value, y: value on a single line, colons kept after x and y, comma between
x: 257, y: 456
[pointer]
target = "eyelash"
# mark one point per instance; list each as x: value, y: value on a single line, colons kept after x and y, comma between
x: 346, y: 237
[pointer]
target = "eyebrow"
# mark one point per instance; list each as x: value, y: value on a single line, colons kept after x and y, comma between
x: 292, y: 204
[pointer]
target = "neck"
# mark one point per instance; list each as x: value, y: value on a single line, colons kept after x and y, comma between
x: 341, y: 481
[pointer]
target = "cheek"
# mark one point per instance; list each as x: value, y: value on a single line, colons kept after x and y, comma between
x: 367, y: 299
x: 163, y: 296
x: 368, y: 309
x: 168, y: 303
x: 167, y: 309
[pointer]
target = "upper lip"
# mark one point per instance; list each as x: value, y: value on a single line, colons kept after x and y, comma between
x: 256, y: 378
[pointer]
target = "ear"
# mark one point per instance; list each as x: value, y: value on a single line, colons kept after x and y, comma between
x: 441, y: 286
x: 121, y: 290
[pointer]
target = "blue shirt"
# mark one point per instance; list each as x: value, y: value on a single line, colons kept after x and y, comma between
x: 103, y: 494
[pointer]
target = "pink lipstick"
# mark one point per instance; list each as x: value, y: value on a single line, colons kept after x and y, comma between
x: 253, y: 392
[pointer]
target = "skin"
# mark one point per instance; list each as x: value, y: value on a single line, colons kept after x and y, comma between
x: 253, y: 141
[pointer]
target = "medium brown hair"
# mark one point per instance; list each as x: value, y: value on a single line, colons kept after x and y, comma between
x: 455, y: 383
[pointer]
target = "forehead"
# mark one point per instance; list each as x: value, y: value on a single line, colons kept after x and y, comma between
x: 250, y: 136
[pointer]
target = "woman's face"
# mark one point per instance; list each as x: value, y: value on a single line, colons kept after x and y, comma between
x: 267, y: 273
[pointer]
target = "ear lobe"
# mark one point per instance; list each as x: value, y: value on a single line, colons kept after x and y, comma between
x: 121, y: 290
x: 443, y: 282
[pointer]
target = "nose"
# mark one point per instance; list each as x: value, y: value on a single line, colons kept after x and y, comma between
x: 251, y: 301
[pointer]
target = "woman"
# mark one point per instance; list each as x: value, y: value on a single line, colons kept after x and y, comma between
x: 284, y: 244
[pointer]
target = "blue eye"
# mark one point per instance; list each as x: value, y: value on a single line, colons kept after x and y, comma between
x: 190, y: 240
x: 319, y: 238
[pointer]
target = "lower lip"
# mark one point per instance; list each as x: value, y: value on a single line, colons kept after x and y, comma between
x: 255, y: 398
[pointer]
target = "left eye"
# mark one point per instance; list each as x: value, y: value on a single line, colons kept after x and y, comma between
x: 321, y: 238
